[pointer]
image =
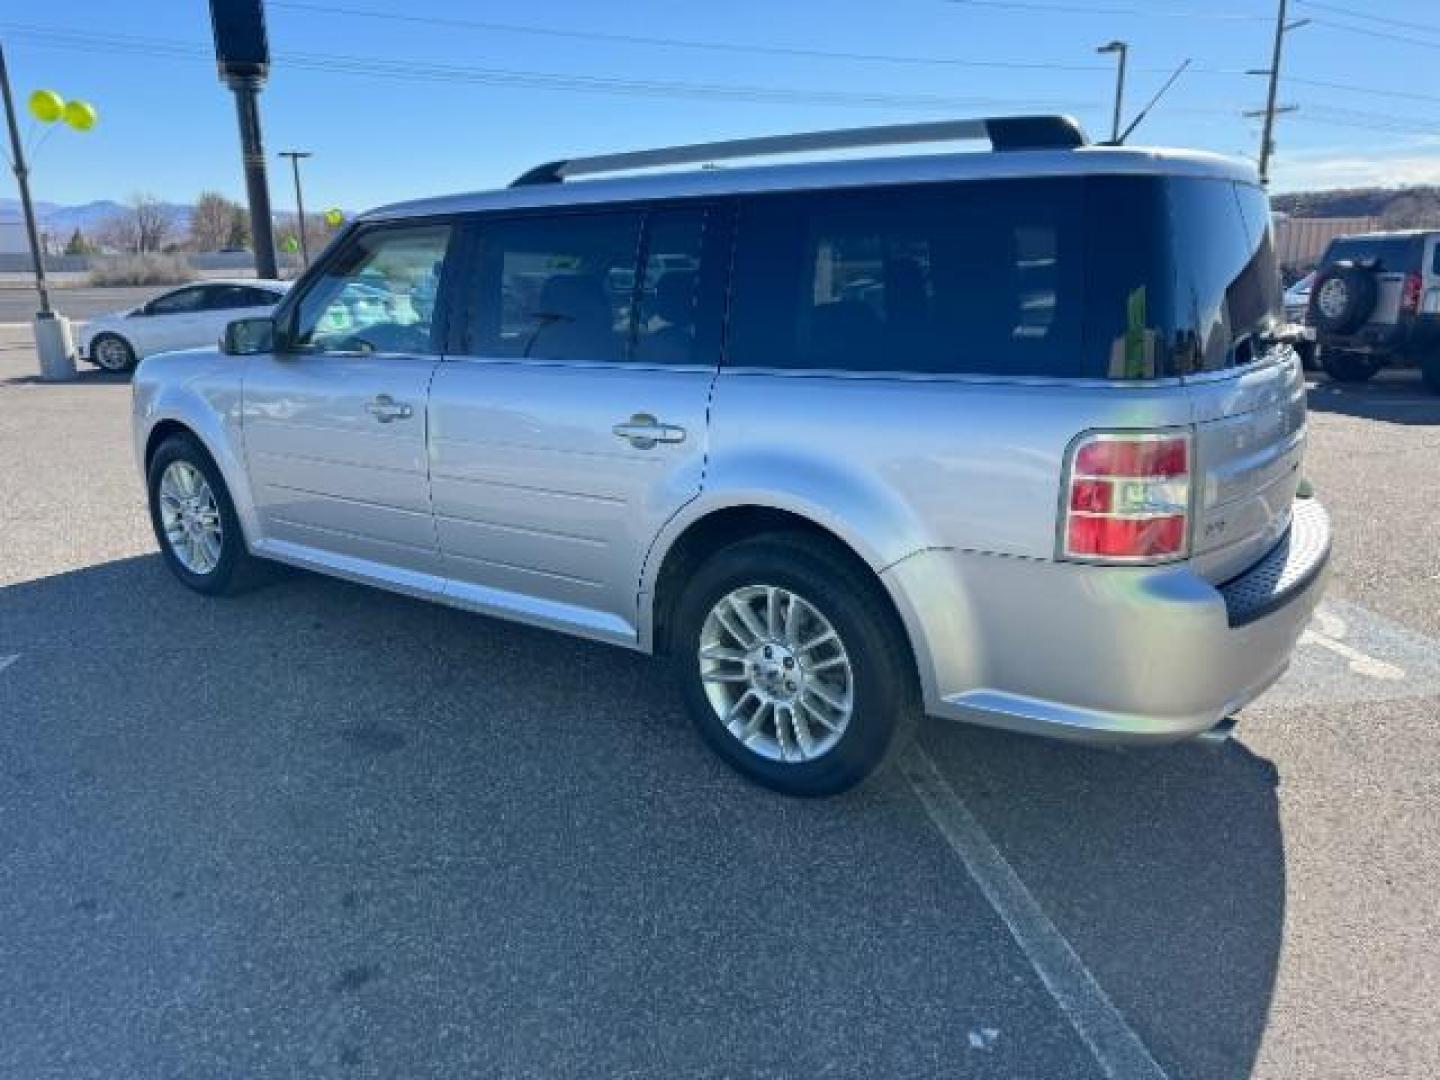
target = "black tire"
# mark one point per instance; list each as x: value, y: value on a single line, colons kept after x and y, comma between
x: 1348, y: 367
x: 1342, y: 298
x: 1430, y: 372
x: 235, y: 570
x: 884, y: 695
x: 112, y: 353
x: 1306, y: 349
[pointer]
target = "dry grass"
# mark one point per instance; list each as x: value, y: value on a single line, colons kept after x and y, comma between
x: 142, y: 270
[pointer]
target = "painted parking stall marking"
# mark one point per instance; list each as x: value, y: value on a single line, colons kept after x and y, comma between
x: 1118, y: 1051
x: 1350, y: 654
x: 6, y: 661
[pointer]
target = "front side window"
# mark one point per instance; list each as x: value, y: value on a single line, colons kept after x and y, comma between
x: 377, y: 295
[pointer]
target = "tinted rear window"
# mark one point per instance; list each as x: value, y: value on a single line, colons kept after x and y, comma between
x: 1395, y: 254
x: 1057, y: 277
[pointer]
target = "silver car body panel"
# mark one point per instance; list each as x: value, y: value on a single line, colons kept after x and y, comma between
x: 508, y: 491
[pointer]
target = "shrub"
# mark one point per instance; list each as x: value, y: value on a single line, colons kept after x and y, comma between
x: 150, y: 269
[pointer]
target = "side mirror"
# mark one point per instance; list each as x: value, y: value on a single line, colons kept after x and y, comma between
x: 246, y: 337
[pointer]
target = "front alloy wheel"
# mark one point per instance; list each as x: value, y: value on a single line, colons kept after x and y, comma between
x: 190, y: 517
x: 194, y: 520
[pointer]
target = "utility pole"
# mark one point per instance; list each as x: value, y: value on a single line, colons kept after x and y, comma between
x: 1123, y: 49
x: 1267, y: 135
x: 295, y: 156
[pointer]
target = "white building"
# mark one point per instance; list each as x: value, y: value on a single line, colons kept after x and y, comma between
x: 12, y: 238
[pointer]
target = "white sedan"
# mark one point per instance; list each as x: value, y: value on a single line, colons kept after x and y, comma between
x: 184, y: 318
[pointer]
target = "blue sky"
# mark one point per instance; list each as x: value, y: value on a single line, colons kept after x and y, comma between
x: 438, y: 115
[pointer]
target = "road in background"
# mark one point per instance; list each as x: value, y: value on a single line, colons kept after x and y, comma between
x: 326, y: 831
x: 18, y: 305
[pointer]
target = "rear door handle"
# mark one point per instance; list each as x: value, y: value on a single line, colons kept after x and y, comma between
x: 643, y: 431
x: 386, y: 409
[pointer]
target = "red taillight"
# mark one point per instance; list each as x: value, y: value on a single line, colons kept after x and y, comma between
x: 1128, y: 497
x: 1410, y: 294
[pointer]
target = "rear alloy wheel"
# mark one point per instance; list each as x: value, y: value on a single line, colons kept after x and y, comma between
x: 793, y: 664
x: 1348, y: 367
x: 112, y: 353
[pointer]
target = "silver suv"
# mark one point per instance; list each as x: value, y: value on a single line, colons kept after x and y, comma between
x: 1005, y: 437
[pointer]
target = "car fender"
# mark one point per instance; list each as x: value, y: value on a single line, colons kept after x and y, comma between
x: 866, y: 516
x: 201, y: 390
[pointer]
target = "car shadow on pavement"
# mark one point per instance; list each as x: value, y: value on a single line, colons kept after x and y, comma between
x: 1390, y: 400
x: 83, y: 377
x: 1164, y: 867
x: 446, y: 835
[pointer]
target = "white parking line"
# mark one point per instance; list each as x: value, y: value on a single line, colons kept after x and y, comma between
x: 6, y: 661
x: 1117, y: 1049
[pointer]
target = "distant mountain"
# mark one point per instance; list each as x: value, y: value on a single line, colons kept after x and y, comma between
x: 57, y: 219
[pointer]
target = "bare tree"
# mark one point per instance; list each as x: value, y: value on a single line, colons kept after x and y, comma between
x: 212, y: 221
x: 239, y: 234
x: 118, y: 233
x: 154, y: 221
x: 317, y: 233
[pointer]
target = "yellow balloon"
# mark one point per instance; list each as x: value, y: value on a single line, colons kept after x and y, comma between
x: 80, y: 115
x: 46, y: 106
x: 334, y: 218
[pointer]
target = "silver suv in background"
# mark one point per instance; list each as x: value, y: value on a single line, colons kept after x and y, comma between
x: 1008, y: 437
x: 1375, y: 302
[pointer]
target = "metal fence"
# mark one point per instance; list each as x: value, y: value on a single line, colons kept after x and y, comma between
x: 242, y: 262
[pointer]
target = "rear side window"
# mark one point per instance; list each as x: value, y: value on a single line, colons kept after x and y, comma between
x: 1227, y: 285
x: 594, y: 287
x: 557, y: 288
x: 179, y: 302
x: 978, y: 278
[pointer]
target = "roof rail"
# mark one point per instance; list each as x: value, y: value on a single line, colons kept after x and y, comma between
x: 1004, y: 133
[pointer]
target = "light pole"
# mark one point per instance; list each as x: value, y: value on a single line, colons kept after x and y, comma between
x: 295, y: 156
x: 242, y: 53
x: 53, y: 344
x: 1121, y: 49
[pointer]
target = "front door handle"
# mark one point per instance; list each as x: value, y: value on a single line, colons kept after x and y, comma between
x: 386, y: 409
x: 643, y: 431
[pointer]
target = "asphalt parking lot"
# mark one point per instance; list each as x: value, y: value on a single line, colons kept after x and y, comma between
x: 322, y: 831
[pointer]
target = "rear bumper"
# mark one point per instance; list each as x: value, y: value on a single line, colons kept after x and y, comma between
x: 1106, y: 654
x: 1412, y: 334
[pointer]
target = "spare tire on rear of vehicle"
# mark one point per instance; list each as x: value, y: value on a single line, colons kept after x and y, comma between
x: 1342, y: 298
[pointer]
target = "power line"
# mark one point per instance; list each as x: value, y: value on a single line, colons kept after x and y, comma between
x: 1325, y: 84
x: 1336, y: 9
x: 432, y: 72
x: 676, y: 43
x: 1077, y: 9
x: 1384, y: 35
